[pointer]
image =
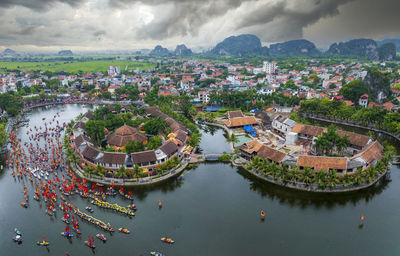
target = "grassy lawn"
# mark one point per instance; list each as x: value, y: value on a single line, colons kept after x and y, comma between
x: 73, y: 66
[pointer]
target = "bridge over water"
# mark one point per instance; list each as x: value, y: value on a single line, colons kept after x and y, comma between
x: 196, y: 158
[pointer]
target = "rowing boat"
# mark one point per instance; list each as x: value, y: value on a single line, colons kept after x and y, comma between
x: 101, y: 237
x: 43, y: 243
x: 124, y: 230
x: 167, y: 240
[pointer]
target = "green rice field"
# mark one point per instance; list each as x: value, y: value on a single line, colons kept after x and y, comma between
x: 73, y: 66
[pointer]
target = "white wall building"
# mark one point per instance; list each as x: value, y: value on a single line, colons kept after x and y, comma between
x: 269, y: 67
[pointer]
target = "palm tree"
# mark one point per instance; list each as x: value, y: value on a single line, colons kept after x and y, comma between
x: 121, y: 172
x: 332, y: 178
x: 282, y: 173
x: 371, y: 174
x: 320, y: 178
x: 346, y: 179
x: 136, y: 171
x: 256, y: 161
x: 100, y: 170
x: 74, y: 159
x: 89, y: 169
x: 307, y: 175
x: 359, y: 176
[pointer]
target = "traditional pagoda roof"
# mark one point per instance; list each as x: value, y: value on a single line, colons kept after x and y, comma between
x: 124, y: 134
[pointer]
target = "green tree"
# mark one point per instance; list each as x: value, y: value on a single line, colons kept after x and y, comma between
x: 154, y: 142
x: 3, y: 134
x: 155, y: 126
x: 133, y: 146
x: 353, y: 90
x: 95, y: 129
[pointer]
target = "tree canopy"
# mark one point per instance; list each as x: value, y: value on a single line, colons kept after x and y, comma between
x: 353, y: 90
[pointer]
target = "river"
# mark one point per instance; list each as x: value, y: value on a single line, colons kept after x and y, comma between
x: 212, y: 209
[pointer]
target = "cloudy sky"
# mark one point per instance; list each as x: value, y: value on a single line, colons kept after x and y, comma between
x: 52, y: 25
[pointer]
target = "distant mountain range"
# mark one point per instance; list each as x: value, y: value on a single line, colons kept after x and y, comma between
x: 248, y: 45
x: 65, y: 53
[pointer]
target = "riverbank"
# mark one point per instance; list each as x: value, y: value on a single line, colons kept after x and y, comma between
x: 226, y: 130
x: 354, y: 124
x: 130, y: 182
x: 315, y: 188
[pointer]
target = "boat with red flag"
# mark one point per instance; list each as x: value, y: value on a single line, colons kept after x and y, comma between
x: 90, y: 242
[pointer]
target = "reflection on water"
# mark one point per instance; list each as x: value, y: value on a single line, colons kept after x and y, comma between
x: 304, y: 199
x: 213, y: 209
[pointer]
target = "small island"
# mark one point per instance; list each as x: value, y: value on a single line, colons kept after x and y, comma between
x: 305, y: 157
x: 128, y: 145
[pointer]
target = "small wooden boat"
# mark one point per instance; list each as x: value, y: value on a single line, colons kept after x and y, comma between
x: 156, y: 253
x: 65, y: 220
x: 25, y: 205
x: 132, y: 207
x: 89, y: 209
x: 167, y: 240
x: 159, y: 203
x: 124, y: 230
x: 90, y: 245
x: 16, y: 231
x: 17, y: 238
x: 43, y: 243
x: 101, y: 237
x: 36, y: 198
x: 67, y: 234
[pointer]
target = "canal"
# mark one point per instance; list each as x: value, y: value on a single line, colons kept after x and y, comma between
x: 211, y: 209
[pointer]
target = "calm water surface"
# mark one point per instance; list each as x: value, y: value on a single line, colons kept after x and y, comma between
x: 213, y: 209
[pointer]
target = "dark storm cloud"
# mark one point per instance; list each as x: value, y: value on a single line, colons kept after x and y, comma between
x: 133, y: 23
x: 185, y: 17
x: 37, y: 4
x: 290, y: 16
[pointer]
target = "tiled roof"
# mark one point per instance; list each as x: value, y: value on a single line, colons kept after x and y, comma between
x: 169, y: 148
x: 241, y: 121
x: 323, y: 163
x: 308, y: 129
x: 125, y: 134
x: 271, y: 154
x: 114, y: 158
x: 235, y: 114
x: 144, y: 157
x: 90, y: 153
x: 355, y: 138
x: 181, y: 136
x: 81, y: 139
x: 372, y: 152
x: 251, y: 147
